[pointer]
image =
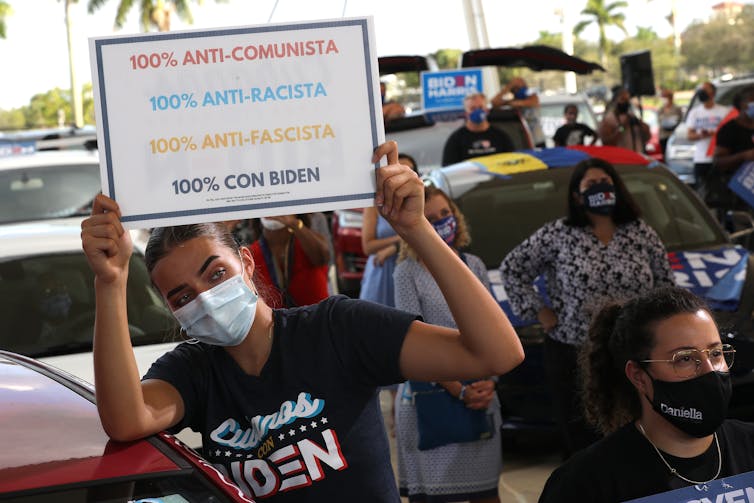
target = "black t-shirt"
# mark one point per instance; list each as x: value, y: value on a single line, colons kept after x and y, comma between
x: 309, y: 427
x: 625, y: 466
x: 735, y: 137
x: 463, y: 144
x: 573, y: 134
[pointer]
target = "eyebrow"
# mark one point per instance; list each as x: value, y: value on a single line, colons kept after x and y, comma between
x: 199, y: 273
x: 711, y: 345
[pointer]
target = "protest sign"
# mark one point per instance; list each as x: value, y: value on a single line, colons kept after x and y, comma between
x: 211, y: 125
x: 735, y: 489
x: 742, y: 183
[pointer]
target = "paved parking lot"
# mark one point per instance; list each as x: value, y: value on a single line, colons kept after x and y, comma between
x: 527, y: 462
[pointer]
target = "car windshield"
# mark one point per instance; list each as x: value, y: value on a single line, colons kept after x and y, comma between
x: 47, y: 305
x: 551, y: 115
x: 39, y: 193
x: 186, y: 487
x: 523, y: 204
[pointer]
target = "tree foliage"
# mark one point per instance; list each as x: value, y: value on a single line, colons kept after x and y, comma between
x: 447, y: 59
x: 47, y: 110
x: 5, y: 11
x: 720, y: 45
x: 603, y: 15
x: 153, y: 13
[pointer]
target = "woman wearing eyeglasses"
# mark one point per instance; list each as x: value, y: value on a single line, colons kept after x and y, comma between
x: 656, y: 381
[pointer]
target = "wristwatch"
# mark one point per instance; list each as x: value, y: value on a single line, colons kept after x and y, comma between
x: 462, y: 393
x: 299, y: 225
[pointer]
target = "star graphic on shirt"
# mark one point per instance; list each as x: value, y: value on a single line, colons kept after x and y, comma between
x: 281, y: 436
x: 217, y: 452
x: 227, y: 454
x: 239, y: 455
x: 249, y: 456
x: 291, y: 432
x: 314, y: 424
x: 303, y: 428
x: 323, y: 420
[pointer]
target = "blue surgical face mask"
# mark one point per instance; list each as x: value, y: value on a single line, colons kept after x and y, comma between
x: 750, y: 110
x: 478, y: 116
x: 521, y: 93
x: 221, y: 316
x: 446, y: 228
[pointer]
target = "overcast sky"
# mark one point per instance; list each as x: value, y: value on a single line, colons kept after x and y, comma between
x: 34, y: 57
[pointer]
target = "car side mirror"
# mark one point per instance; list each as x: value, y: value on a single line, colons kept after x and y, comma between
x: 741, y: 223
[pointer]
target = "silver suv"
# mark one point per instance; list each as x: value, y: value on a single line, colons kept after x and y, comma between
x: 679, y: 153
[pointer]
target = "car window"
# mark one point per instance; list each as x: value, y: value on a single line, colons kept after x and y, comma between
x: 183, y: 488
x: 47, y: 192
x: 47, y: 305
x: 501, y: 214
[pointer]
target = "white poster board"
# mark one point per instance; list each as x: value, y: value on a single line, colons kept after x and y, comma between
x: 210, y: 125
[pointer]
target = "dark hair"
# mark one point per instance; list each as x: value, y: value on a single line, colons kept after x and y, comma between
x: 741, y: 95
x: 626, y: 209
x: 620, y: 333
x: 163, y: 239
x: 570, y: 106
x: 414, y: 165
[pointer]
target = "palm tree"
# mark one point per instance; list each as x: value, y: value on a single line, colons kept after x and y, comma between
x: 604, y: 15
x: 76, y: 104
x: 154, y: 13
x: 5, y: 11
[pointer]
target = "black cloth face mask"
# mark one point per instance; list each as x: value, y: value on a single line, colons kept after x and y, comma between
x: 599, y: 199
x: 696, y: 406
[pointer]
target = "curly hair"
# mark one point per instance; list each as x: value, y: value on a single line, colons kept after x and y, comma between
x: 463, y: 235
x: 619, y: 333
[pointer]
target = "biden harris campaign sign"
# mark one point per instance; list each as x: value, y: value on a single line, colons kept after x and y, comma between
x: 444, y: 91
x: 736, y: 489
x: 210, y: 125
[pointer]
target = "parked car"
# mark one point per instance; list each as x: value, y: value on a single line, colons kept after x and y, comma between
x: 47, y: 299
x: 54, y: 447
x: 679, y: 153
x: 504, y: 210
x: 551, y: 108
x: 62, y: 138
x: 42, y: 185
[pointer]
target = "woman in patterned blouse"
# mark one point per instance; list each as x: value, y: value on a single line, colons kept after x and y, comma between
x: 601, y: 251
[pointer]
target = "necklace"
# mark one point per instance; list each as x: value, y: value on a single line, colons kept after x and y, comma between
x: 673, y: 471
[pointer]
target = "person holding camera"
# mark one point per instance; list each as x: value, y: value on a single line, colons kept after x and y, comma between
x: 620, y: 127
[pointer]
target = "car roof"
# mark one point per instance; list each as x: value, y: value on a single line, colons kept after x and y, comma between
x: 52, y: 434
x: 40, y: 237
x: 49, y: 158
x: 536, y: 57
x: 457, y: 179
x: 562, y: 99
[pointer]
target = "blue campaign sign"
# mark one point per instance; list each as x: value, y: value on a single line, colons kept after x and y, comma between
x: 445, y: 90
x: 736, y: 489
x: 742, y: 183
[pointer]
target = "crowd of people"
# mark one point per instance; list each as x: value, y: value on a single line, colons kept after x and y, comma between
x: 267, y: 345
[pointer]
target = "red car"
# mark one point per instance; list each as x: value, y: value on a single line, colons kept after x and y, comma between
x: 54, y: 447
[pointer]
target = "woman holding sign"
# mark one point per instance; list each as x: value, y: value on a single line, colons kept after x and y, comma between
x: 657, y: 380
x: 286, y: 400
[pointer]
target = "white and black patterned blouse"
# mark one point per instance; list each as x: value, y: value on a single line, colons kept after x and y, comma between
x: 582, y: 273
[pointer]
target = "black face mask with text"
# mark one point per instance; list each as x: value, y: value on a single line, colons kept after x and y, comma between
x: 599, y: 199
x: 696, y: 406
